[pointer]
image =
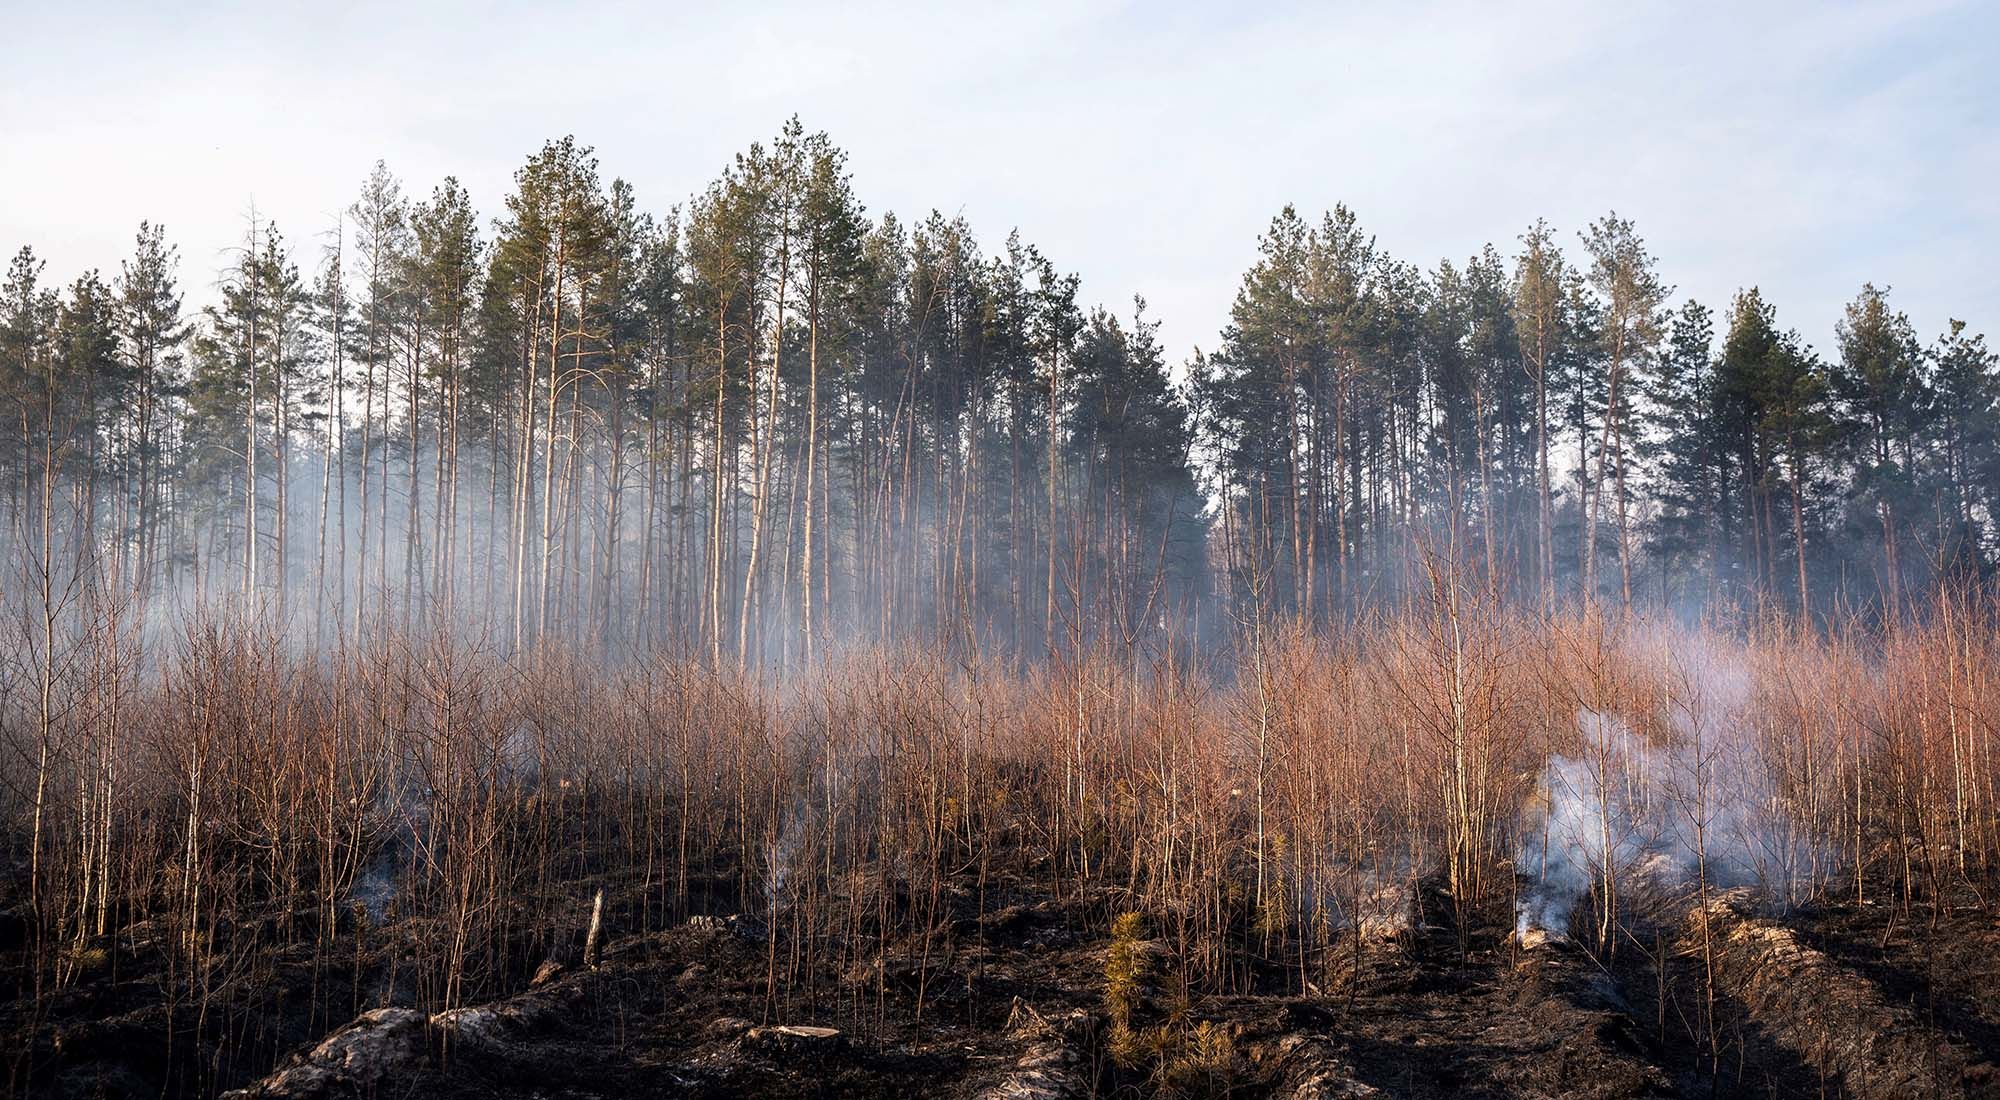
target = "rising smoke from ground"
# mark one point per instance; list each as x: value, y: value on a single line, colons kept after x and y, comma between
x: 1697, y: 804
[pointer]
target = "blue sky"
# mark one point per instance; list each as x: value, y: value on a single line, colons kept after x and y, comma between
x: 1803, y: 148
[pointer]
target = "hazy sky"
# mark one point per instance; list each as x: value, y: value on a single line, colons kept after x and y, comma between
x: 1802, y: 148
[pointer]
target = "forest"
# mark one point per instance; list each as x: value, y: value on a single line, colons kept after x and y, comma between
x: 763, y: 421
x: 755, y: 645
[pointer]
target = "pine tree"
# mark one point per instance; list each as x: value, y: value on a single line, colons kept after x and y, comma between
x: 1341, y: 308
x: 1773, y: 417
x: 1259, y: 369
x: 152, y: 333
x: 27, y: 383
x: 1055, y: 326
x: 1621, y: 271
x: 1539, y: 277
x: 552, y: 248
x: 723, y: 256
x: 330, y: 321
x: 95, y: 386
x: 1964, y: 434
x: 1129, y: 435
x: 1502, y: 407
x: 663, y: 400
x: 834, y: 229
x: 443, y: 286
x: 380, y: 218
x: 1878, y: 382
x: 1681, y: 448
x: 1577, y: 375
x: 248, y: 361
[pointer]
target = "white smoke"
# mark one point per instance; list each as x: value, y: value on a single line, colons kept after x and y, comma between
x: 1697, y: 805
x: 1586, y: 827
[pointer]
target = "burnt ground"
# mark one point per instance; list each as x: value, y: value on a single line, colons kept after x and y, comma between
x: 1010, y: 1001
x: 1943, y: 963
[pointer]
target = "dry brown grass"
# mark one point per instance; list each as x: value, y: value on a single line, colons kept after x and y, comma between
x: 217, y: 795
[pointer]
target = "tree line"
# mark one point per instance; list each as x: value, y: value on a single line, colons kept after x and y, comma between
x: 1565, y: 430
x: 765, y: 420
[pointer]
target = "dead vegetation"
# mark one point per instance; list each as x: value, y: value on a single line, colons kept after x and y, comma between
x: 1308, y: 870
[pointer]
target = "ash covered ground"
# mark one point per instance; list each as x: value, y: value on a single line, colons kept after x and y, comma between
x: 1021, y: 993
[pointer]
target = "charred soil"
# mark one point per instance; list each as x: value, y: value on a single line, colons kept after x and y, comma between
x: 1011, y: 997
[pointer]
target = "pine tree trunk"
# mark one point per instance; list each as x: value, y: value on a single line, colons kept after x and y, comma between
x: 812, y: 452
